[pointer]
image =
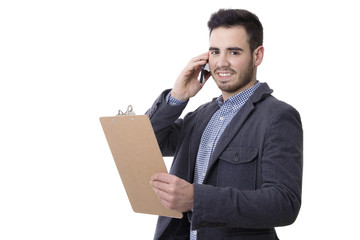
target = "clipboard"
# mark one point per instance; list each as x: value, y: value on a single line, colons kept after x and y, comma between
x: 137, y: 157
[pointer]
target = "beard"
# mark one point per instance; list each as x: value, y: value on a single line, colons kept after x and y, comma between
x: 236, y: 85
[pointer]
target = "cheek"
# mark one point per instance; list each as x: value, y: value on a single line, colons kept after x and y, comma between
x: 212, y: 65
x: 240, y: 65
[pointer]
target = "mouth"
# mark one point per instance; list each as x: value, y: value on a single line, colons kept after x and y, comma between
x: 224, y: 76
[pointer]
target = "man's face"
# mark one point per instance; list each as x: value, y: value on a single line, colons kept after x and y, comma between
x: 231, y: 61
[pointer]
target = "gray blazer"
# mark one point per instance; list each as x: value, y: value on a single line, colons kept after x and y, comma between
x: 254, y: 178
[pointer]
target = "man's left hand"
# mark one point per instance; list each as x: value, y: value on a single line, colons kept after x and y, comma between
x: 173, y: 192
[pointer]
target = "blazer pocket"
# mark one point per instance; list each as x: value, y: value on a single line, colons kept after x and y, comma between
x: 237, y: 168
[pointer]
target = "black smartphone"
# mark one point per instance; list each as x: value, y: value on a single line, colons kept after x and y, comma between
x: 203, y: 69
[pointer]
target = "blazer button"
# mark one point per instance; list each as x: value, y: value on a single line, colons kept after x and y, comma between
x: 236, y: 158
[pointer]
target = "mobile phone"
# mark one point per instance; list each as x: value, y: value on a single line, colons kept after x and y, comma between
x: 203, y: 69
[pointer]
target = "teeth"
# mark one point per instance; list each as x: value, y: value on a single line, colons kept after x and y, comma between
x: 224, y: 74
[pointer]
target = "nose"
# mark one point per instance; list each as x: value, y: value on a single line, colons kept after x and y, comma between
x: 222, y: 61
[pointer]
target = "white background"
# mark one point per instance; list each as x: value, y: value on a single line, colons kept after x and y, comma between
x: 63, y: 64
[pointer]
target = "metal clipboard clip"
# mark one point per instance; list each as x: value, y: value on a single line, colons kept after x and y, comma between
x: 129, y: 111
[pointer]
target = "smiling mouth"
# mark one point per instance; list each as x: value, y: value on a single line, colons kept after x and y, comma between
x: 224, y: 74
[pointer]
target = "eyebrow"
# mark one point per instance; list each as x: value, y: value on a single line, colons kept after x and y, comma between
x: 229, y: 49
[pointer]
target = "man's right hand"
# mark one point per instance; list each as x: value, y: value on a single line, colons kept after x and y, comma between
x: 187, y: 84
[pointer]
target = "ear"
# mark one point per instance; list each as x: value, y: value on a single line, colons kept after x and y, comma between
x: 258, y: 55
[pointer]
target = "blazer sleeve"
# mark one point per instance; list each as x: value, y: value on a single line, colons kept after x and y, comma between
x: 166, y: 123
x: 277, y: 202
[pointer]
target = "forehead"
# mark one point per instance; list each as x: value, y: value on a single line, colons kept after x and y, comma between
x: 229, y: 37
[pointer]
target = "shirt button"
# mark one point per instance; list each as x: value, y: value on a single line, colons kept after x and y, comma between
x: 210, y: 144
x: 203, y: 174
x: 221, y: 118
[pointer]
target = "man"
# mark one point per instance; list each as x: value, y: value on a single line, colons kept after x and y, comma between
x: 237, y: 168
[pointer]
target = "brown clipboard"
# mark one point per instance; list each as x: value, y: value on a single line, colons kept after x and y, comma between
x: 137, y: 157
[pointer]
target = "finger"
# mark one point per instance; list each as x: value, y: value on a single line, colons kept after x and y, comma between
x: 200, y: 63
x: 159, y: 185
x: 164, y: 195
x: 162, y: 177
x: 169, y: 205
x: 201, y: 57
x: 199, y: 60
x: 195, y: 68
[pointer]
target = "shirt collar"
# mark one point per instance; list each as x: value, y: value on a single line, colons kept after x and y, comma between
x: 239, y: 99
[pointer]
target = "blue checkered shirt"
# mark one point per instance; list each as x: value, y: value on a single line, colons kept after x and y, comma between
x: 214, y: 130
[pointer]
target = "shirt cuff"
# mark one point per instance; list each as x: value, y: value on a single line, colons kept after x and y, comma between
x: 173, y: 101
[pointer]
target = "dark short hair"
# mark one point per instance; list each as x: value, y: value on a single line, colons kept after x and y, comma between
x: 239, y: 17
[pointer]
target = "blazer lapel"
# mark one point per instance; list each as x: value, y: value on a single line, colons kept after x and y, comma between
x: 201, y: 121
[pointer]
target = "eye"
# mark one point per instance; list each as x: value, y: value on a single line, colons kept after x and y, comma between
x: 214, y: 52
x: 234, y: 53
